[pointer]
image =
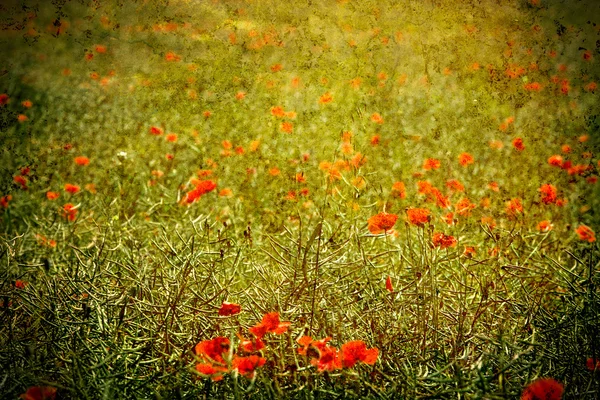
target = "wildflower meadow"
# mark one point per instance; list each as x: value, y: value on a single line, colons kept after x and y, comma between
x: 315, y: 199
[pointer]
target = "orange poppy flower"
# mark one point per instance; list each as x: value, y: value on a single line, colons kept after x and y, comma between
x: 278, y: 111
x: 469, y: 251
x: 240, y: 95
x: 544, y: 226
x: 287, y: 127
x: 514, y: 207
x: 418, y: 216
x: 228, y: 309
x: 226, y: 193
x: 52, y: 195
x: 22, y: 117
x: 377, y: 118
x: 325, y: 98
x: 533, y: 87
x: 454, y: 184
x: 82, y: 160
x: 27, y: 104
x: 443, y: 241
x: 274, y: 171
x: 381, y: 222
x: 171, y: 56
x: 555, y: 160
x: 464, y: 207
x: 171, y: 137
x: 276, y: 67
x: 431, y: 164
x: 586, y: 233
x: 399, y: 190
x: 465, y: 159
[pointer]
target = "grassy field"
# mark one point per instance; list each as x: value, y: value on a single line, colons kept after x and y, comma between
x: 312, y: 200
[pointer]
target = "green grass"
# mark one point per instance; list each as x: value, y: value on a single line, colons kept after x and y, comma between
x: 135, y: 281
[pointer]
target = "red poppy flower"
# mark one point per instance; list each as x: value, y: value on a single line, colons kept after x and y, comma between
x: 418, y: 216
x: 251, y: 345
x: 381, y: 222
x: 4, y: 99
x: 592, y: 364
x: 20, y: 180
x: 19, y: 284
x: 4, y: 200
x: 543, y: 389
x: 72, y: 188
x: 228, y: 309
x: 548, y: 193
x: 69, y: 212
x: 213, y: 350
x: 39, y: 393
x: 202, y: 187
x: 355, y: 351
x: 328, y: 360
x: 586, y: 233
x: 156, y: 131
x: 518, y: 144
x: 246, y: 366
x: 215, y: 372
x: 388, y: 284
x: 270, y: 324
